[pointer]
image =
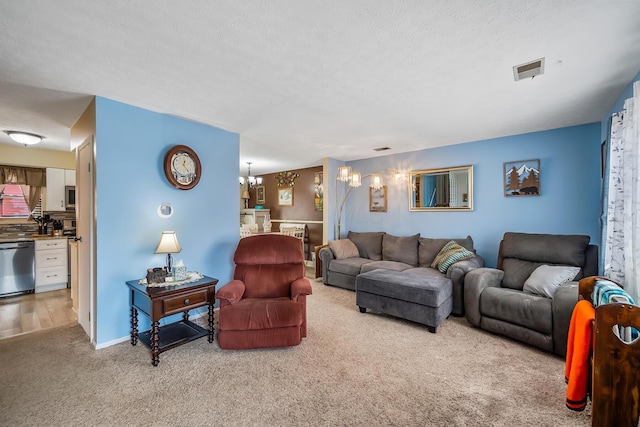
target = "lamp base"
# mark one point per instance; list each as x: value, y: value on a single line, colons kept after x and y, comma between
x: 169, y: 265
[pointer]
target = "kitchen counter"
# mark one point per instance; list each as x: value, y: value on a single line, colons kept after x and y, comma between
x: 31, y: 238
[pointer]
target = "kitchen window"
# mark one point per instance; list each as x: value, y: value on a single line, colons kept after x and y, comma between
x: 13, y: 202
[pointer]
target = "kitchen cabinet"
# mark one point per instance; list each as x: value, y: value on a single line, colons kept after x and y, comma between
x: 254, y: 216
x: 70, y: 177
x: 51, y: 264
x: 55, y: 190
x: 57, y: 179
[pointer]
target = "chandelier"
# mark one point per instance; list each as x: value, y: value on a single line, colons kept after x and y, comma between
x: 250, y: 180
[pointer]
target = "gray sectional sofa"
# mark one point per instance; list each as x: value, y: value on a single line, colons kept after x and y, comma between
x: 527, y: 298
x: 406, y: 254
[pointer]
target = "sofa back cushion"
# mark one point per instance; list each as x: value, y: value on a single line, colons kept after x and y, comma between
x: 428, y: 248
x: 521, y: 253
x: 369, y: 244
x: 400, y: 249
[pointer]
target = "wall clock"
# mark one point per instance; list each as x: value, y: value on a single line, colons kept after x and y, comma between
x: 182, y: 167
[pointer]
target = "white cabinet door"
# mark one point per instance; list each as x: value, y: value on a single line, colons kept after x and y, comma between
x: 69, y: 177
x: 55, y: 189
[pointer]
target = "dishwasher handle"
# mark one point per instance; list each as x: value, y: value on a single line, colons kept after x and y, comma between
x: 10, y: 248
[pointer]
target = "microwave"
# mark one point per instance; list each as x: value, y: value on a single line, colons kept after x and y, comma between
x: 70, y: 196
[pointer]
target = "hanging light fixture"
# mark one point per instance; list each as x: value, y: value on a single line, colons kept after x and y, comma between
x: 356, y: 179
x: 251, y: 180
x: 376, y: 181
x: 344, y: 173
x: 25, y: 138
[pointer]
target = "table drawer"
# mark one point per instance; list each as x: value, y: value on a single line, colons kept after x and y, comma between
x: 184, y: 302
x: 49, y: 276
x: 51, y: 258
x: 46, y: 244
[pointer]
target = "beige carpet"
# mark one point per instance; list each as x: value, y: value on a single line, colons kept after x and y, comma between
x: 353, y: 369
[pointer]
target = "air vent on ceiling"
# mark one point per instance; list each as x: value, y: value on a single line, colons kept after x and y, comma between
x: 382, y: 149
x: 529, y: 69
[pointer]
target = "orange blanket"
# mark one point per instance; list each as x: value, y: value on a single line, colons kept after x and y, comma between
x: 576, y: 372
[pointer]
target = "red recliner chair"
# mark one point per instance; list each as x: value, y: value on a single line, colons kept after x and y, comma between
x: 265, y: 304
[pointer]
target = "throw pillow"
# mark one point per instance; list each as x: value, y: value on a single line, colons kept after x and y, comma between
x: 546, y: 279
x: 343, y: 248
x: 450, y: 253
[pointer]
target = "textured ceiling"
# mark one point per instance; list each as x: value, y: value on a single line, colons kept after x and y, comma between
x: 303, y: 80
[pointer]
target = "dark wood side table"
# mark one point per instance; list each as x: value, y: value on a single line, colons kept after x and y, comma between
x: 318, y: 260
x: 162, y: 301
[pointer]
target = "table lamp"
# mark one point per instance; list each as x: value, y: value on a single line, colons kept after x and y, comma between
x: 245, y: 196
x: 168, y: 245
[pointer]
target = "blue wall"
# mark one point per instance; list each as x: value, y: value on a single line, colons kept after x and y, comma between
x: 130, y: 184
x: 617, y: 107
x: 569, y: 202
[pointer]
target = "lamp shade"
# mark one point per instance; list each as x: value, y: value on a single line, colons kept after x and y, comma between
x: 245, y: 194
x: 168, y: 243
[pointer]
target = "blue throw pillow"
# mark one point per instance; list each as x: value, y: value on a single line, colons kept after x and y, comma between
x: 450, y: 253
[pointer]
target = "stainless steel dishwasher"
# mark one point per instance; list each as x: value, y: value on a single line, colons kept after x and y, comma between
x: 17, y: 268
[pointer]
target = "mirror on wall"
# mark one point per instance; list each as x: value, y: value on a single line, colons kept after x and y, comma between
x: 447, y: 189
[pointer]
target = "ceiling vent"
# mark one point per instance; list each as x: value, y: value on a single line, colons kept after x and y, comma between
x: 528, y: 70
x: 382, y: 149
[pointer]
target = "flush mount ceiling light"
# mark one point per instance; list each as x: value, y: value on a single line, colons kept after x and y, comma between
x: 25, y: 138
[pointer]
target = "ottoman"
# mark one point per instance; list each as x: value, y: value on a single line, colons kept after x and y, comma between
x: 411, y: 296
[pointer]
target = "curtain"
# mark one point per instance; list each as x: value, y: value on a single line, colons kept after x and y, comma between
x: 31, y: 180
x: 622, y: 197
x: 34, y: 177
x: 31, y: 196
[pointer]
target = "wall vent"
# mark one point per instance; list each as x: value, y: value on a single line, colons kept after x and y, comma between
x: 528, y: 69
x: 382, y: 149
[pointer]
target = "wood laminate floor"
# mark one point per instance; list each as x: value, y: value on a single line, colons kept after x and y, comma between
x: 34, y: 312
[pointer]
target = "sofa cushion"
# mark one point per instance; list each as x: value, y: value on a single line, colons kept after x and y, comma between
x: 547, y: 278
x: 428, y: 248
x: 450, y: 253
x: 343, y: 248
x: 517, y: 307
x: 546, y: 248
x: 384, y: 265
x: 516, y: 272
x: 250, y: 314
x: 349, y: 266
x: 369, y: 243
x: 401, y: 249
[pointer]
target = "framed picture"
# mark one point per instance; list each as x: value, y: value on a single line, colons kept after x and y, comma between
x: 522, y: 178
x: 378, y: 199
x: 285, y: 196
x: 260, y: 194
x: 318, y: 197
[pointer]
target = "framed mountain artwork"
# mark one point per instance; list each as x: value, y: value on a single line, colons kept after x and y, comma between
x: 522, y: 178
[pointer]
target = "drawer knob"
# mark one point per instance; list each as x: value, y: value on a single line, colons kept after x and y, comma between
x: 186, y: 301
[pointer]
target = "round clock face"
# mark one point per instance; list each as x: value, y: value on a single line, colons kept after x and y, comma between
x: 182, y: 167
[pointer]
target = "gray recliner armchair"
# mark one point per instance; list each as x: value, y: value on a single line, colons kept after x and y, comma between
x: 498, y: 301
